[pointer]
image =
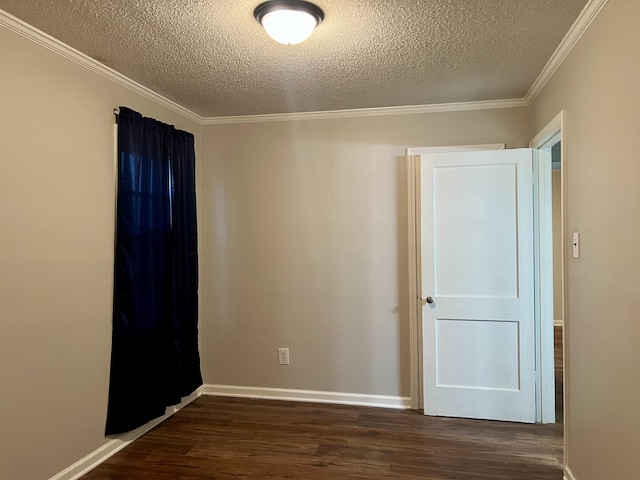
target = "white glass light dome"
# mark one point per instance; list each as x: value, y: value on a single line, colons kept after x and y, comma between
x: 288, y: 22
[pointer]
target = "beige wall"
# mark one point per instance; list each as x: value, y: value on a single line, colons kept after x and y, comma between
x: 303, y: 234
x: 598, y: 85
x: 302, y: 244
x: 56, y: 255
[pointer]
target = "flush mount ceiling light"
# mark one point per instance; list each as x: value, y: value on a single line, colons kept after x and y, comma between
x: 288, y: 21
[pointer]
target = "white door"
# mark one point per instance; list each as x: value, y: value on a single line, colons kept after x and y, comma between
x: 478, y: 275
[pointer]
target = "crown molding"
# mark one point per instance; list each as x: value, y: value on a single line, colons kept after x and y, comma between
x: 568, y: 475
x: 47, y: 41
x: 578, y: 28
x: 367, y: 112
x: 588, y: 15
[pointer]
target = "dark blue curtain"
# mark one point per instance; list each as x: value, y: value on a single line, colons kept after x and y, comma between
x: 154, y: 354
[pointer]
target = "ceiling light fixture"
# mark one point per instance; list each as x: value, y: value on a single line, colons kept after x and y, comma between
x: 288, y: 21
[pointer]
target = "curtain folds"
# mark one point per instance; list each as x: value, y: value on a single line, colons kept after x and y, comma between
x: 154, y: 355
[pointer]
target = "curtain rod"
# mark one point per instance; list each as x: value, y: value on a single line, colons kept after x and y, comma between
x: 116, y: 112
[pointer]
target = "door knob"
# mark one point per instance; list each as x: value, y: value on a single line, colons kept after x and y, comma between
x: 427, y: 300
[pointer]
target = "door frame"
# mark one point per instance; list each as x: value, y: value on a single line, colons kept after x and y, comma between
x: 414, y: 259
x: 552, y: 133
x: 545, y: 395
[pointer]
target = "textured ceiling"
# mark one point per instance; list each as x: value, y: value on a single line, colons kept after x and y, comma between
x: 213, y: 58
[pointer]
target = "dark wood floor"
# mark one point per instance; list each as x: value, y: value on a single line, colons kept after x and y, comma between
x: 558, y: 357
x: 218, y: 438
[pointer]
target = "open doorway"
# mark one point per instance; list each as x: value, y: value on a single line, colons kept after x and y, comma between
x: 552, y: 260
x: 558, y: 314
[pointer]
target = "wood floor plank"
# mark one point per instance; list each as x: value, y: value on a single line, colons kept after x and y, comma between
x: 218, y: 438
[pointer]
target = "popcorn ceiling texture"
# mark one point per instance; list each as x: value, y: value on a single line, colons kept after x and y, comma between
x: 212, y: 57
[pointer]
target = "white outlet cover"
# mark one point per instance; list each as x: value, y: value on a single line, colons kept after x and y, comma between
x: 283, y: 356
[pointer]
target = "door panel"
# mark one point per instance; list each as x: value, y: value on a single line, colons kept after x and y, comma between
x: 477, y: 354
x: 477, y: 265
x: 467, y: 199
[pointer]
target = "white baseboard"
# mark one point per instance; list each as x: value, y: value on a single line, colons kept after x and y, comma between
x: 363, y: 399
x: 113, y: 446
x: 567, y: 474
x: 110, y: 448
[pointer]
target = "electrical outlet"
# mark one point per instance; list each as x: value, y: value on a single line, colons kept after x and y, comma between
x: 283, y: 356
